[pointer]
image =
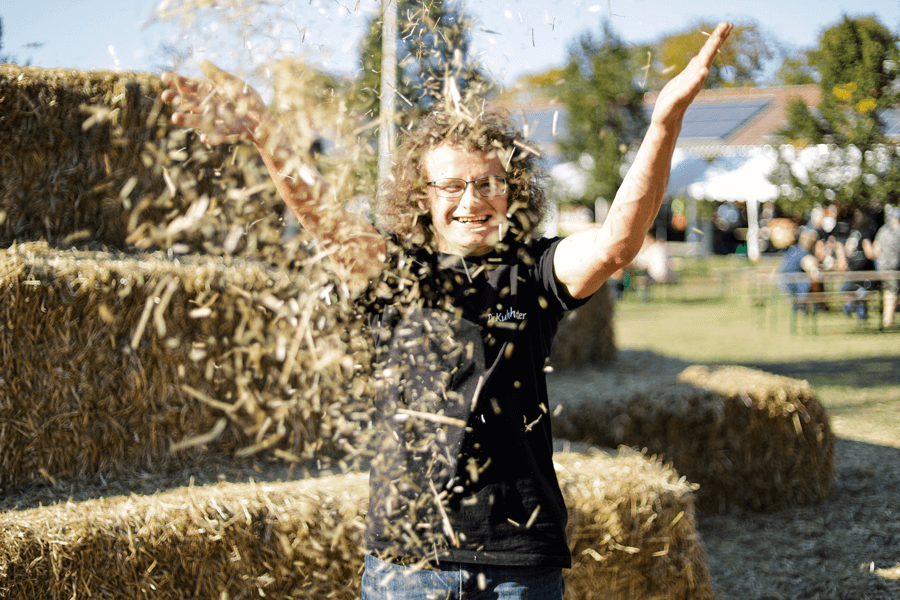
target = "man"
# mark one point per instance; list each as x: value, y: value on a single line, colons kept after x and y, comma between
x: 465, y: 303
x: 799, y: 266
x: 852, y: 256
x: 885, y: 251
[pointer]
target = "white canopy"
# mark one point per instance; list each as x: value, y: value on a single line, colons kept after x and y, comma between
x: 738, y: 177
x: 686, y: 169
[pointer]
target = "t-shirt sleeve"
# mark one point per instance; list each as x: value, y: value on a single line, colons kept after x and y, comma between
x: 546, y: 277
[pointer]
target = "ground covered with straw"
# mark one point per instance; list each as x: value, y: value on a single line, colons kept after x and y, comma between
x: 846, y: 547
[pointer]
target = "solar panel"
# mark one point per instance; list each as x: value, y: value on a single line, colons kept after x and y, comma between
x: 891, y: 118
x: 716, y: 121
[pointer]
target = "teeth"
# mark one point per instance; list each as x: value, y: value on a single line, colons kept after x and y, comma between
x: 468, y: 220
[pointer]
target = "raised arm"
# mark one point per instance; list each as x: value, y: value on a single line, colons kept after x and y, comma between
x: 583, y: 261
x: 225, y: 108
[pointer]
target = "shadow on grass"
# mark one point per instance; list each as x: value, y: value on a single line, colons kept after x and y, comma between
x: 834, y: 549
x: 869, y: 372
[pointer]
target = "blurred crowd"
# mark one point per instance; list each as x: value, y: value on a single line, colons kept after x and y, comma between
x: 865, y: 247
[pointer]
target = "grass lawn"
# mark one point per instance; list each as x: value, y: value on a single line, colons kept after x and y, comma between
x: 855, y: 368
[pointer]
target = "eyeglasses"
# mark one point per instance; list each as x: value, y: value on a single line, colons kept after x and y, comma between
x: 454, y: 188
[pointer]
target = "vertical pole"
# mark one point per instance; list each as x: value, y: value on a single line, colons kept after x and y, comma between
x: 753, y: 230
x: 388, y: 95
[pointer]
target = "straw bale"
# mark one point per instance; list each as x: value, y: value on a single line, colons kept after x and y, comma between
x: 91, y: 157
x: 586, y: 335
x: 282, y: 540
x: 631, y: 530
x: 750, y: 439
x: 787, y: 454
x: 111, y: 361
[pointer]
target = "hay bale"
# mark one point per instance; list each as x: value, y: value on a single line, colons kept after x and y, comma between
x: 109, y: 362
x: 586, y: 335
x: 631, y: 530
x: 280, y: 540
x: 91, y: 158
x: 786, y: 454
x: 750, y: 439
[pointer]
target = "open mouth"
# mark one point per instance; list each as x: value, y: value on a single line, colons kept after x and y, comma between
x: 472, y: 220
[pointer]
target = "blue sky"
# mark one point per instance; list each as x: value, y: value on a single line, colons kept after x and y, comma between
x: 512, y: 36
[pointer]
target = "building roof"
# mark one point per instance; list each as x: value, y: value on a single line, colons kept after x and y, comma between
x: 727, y: 117
x: 717, y: 122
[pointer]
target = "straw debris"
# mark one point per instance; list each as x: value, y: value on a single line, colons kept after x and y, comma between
x: 91, y: 159
x: 113, y: 362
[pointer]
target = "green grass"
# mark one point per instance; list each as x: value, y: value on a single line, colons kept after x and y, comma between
x: 855, y: 369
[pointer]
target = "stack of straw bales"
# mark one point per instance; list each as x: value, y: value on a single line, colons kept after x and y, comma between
x: 631, y: 530
x: 91, y: 158
x: 749, y: 439
x: 108, y: 362
x: 586, y: 335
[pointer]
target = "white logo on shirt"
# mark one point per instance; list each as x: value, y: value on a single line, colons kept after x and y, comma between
x: 509, y: 314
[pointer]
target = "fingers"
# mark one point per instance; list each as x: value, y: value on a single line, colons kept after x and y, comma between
x: 231, y: 85
x: 223, y: 108
x: 184, y: 92
x: 714, y: 43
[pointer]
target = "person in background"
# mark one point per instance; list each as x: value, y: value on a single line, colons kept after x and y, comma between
x: 799, y: 267
x: 853, y: 257
x: 655, y: 260
x: 885, y: 251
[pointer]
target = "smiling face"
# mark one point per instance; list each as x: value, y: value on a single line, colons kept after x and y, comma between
x: 468, y: 225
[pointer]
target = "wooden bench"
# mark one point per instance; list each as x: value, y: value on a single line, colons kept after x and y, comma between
x: 767, y: 289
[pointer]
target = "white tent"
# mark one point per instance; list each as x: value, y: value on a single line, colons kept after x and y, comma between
x: 687, y: 168
x: 740, y: 176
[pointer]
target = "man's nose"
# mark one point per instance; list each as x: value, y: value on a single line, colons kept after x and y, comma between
x: 469, y: 195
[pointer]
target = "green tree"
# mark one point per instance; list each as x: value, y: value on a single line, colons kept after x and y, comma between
x: 434, y: 43
x: 796, y: 69
x: 3, y: 57
x: 602, y: 91
x: 742, y: 59
x: 857, y: 60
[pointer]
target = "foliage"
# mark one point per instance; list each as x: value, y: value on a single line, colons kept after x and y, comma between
x: 741, y: 60
x: 533, y: 86
x: 3, y: 57
x: 796, y: 69
x: 602, y: 91
x: 857, y: 60
x: 434, y: 44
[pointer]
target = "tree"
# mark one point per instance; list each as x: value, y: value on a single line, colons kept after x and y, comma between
x: 434, y: 44
x: 602, y: 91
x: 743, y: 58
x: 857, y: 60
x: 796, y: 69
x: 3, y: 57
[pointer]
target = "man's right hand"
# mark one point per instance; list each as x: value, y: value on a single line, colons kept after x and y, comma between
x: 222, y: 109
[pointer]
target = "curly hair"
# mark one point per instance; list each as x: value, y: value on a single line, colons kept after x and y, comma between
x: 401, y: 208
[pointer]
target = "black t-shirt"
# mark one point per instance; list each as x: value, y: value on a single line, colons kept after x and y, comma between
x: 464, y: 470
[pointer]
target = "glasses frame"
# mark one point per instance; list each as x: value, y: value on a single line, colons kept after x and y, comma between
x: 498, y: 181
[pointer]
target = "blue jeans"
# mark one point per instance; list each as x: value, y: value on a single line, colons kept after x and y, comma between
x: 460, y: 581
